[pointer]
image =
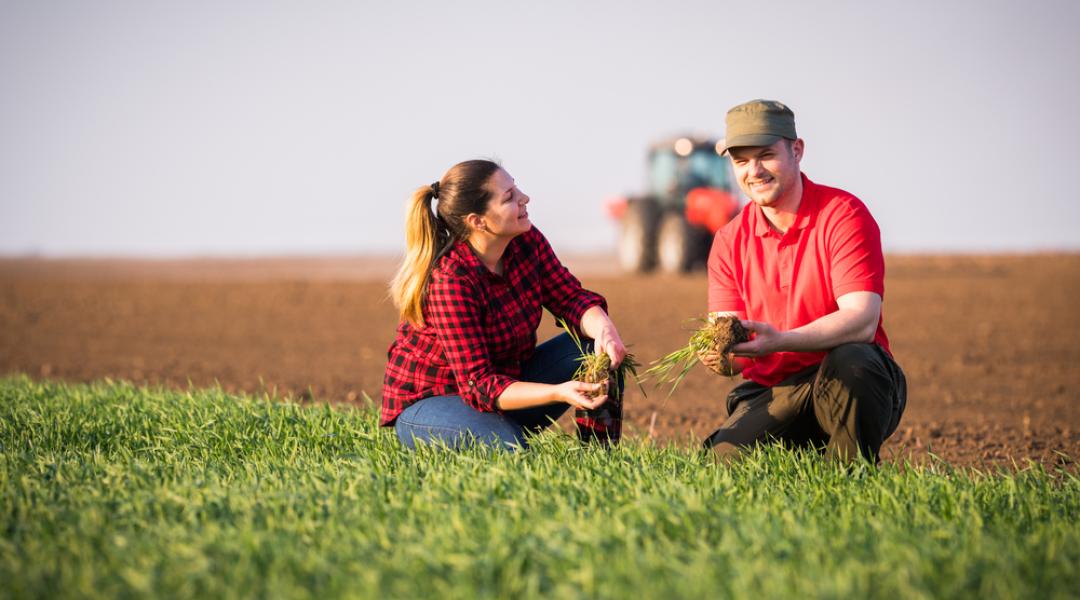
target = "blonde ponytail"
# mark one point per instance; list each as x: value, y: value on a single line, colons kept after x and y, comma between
x: 421, y: 243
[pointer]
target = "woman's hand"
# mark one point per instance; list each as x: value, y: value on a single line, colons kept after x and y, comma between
x: 574, y: 394
x: 596, y: 324
x: 609, y: 342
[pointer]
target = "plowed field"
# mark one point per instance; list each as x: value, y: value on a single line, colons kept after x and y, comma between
x: 989, y: 344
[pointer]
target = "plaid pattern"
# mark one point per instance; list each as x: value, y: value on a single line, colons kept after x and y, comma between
x: 480, y: 327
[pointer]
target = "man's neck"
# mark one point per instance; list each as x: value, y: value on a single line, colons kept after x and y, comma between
x: 782, y: 214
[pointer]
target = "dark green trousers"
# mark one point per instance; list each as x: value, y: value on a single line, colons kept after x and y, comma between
x: 849, y: 404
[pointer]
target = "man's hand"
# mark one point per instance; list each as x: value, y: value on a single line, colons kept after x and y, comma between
x: 767, y: 339
x: 716, y: 363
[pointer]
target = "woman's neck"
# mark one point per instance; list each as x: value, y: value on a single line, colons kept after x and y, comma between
x: 490, y: 250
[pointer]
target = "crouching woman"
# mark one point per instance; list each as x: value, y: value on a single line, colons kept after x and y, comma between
x: 464, y: 366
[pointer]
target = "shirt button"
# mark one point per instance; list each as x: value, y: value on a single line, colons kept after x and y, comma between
x: 472, y: 383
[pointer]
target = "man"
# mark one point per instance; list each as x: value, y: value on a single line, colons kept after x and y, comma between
x: 802, y: 267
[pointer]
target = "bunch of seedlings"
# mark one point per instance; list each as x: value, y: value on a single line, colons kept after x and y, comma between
x: 603, y: 423
x: 717, y: 335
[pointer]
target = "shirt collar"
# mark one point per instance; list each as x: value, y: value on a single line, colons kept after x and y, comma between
x: 464, y: 254
x: 808, y: 205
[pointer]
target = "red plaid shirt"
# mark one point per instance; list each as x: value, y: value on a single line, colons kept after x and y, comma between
x: 480, y: 327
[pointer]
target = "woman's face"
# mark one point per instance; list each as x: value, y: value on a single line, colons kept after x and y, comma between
x: 506, y: 214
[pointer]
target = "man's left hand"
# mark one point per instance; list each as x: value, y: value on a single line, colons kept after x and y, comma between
x: 767, y: 339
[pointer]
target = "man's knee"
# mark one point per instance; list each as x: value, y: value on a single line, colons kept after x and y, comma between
x: 748, y: 424
x: 855, y: 397
x: 853, y: 365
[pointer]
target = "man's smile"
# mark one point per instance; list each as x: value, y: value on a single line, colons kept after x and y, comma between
x: 760, y: 183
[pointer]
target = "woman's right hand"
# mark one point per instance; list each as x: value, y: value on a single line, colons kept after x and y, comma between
x: 574, y: 394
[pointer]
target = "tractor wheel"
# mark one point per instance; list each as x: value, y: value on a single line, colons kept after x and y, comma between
x: 637, y: 238
x: 677, y: 244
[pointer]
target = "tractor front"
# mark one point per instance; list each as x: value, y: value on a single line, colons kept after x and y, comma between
x: 690, y: 194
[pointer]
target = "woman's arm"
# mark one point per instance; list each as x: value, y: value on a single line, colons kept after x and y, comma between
x: 456, y: 315
x: 526, y: 394
x: 561, y: 292
x: 563, y: 295
x: 596, y: 324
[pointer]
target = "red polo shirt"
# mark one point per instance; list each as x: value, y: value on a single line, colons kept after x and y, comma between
x: 791, y: 279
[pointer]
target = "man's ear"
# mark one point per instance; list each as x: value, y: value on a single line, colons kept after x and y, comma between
x: 797, y: 148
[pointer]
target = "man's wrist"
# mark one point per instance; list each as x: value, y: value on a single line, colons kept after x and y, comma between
x: 794, y: 341
x: 784, y: 341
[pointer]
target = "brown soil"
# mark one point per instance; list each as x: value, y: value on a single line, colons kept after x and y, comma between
x: 724, y: 333
x: 728, y: 331
x: 988, y: 343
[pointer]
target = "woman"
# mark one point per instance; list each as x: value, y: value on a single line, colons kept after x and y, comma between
x: 471, y: 291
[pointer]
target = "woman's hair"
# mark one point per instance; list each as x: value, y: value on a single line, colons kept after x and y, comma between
x: 430, y: 233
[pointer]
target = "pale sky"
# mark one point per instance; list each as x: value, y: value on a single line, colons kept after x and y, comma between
x: 243, y: 128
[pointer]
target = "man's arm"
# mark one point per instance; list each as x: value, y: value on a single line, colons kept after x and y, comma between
x: 855, y: 320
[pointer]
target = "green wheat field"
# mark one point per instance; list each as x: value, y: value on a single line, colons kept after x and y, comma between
x: 116, y: 491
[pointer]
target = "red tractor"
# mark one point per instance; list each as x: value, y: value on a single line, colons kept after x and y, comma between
x: 691, y: 193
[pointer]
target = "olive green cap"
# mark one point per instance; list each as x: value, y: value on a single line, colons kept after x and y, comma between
x: 758, y: 123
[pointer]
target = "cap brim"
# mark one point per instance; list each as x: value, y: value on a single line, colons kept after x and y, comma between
x: 751, y: 139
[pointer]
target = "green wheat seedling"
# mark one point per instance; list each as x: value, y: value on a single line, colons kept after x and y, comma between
x: 715, y: 335
x: 596, y: 368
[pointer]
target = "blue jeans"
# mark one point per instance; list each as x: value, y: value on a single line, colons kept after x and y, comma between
x: 447, y: 419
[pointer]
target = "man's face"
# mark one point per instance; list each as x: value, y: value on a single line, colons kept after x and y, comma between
x: 767, y: 174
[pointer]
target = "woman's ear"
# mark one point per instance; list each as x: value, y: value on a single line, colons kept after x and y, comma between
x: 475, y: 222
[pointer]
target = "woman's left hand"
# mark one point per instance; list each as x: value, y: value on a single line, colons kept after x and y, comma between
x: 609, y: 342
x: 596, y: 324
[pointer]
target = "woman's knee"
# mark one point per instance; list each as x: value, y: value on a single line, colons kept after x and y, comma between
x: 504, y: 437
x: 448, y: 421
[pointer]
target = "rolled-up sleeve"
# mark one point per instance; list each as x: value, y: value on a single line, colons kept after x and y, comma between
x: 456, y: 314
x: 562, y: 293
x: 857, y: 264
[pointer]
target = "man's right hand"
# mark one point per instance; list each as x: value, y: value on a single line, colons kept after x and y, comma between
x: 716, y: 363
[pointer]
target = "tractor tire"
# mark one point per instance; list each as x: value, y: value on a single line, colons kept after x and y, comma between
x: 678, y: 244
x: 637, y: 238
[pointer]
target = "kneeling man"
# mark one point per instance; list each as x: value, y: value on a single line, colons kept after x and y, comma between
x: 802, y: 266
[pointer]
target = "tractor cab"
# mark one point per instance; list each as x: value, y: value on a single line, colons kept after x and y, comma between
x: 676, y: 169
x: 689, y: 195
